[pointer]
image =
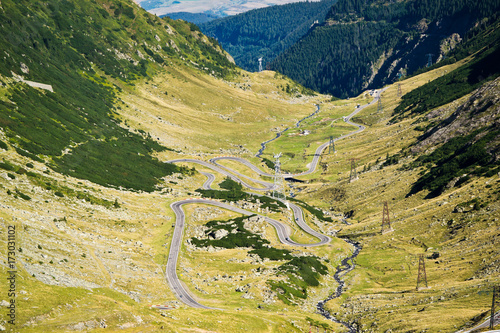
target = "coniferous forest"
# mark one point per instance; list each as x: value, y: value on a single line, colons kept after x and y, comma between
x: 365, y: 43
x: 265, y: 32
x: 343, y: 47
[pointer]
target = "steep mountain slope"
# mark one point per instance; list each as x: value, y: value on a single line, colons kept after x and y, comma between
x: 455, y: 229
x: 471, y: 144
x: 86, y: 51
x: 265, y: 32
x: 365, y: 44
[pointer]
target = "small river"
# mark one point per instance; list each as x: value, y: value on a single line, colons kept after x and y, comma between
x: 343, y: 269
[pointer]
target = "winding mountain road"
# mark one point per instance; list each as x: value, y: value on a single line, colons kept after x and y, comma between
x: 484, y: 325
x: 283, y: 230
x: 227, y: 172
x: 317, y: 153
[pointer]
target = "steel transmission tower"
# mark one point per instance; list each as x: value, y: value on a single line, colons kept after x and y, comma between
x: 422, y: 276
x: 353, y: 175
x: 380, y: 108
x: 429, y: 59
x: 279, y: 182
x: 386, y: 222
x: 331, y: 146
x: 260, y: 64
x: 399, y: 90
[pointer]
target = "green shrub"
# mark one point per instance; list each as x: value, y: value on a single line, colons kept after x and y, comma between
x: 268, y: 163
x: 390, y: 160
x: 316, y: 212
x: 460, y: 155
x: 230, y: 185
x: 28, y: 154
x: 21, y: 171
x: 272, y: 253
x: 236, y: 195
x: 6, y: 166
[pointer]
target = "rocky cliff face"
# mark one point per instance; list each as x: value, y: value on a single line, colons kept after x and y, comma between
x: 480, y: 111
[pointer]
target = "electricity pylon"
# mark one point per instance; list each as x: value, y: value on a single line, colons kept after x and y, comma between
x: 422, y: 276
x: 386, y: 222
x: 496, y: 290
x: 353, y: 175
x: 331, y: 146
x: 429, y: 59
x: 279, y: 182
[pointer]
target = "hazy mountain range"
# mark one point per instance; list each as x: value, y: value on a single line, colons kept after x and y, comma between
x: 219, y: 7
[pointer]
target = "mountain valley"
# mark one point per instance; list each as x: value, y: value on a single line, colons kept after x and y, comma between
x: 145, y: 112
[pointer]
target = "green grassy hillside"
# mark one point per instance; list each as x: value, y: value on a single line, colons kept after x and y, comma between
x: 88, y: 52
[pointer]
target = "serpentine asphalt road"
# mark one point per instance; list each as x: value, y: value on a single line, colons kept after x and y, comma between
x: 317, y: 153
x: 282, y: 230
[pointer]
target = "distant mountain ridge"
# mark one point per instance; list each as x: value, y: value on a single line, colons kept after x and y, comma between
x: 220, y: 8
x: 196, y: 18
x: 343, y: 47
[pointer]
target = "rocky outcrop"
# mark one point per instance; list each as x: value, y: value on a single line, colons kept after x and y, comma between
x: 256, y: 225
x: 481, y: 110
x: 491, y: 269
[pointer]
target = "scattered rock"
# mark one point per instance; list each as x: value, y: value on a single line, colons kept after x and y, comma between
x: 84, y: 325
x: 221, y: 233
x: 126, y: 326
